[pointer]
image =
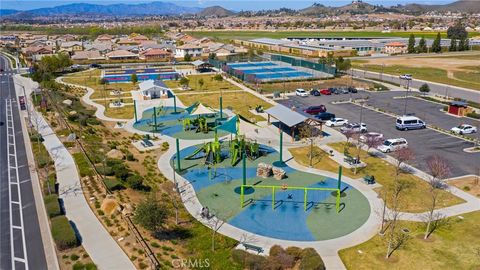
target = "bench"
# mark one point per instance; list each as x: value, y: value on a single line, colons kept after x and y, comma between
x: 351, y: 160
x: 252, y: 247
x: 369, y: 179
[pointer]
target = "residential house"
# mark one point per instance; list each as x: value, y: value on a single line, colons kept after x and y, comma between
x: 121, y: 55
x: 395, y: 48
x: 35, y: 53
x: 104, y: 38
x: 71, y: 46
x: 87, y: 55
x: 156, y: 54
x: 190, y: 49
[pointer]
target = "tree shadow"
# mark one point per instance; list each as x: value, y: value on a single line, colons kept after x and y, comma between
x: 174, y: 233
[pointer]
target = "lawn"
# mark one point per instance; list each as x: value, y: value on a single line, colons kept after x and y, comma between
x: 423, y: 73
x: 415, y: 199
x: 239, y: 102
x: 209, y: 84
x: 248, y: 34
x: 455, y: 246
x: 125, y: 112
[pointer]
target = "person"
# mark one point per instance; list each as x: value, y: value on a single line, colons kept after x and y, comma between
x: 202, y: 214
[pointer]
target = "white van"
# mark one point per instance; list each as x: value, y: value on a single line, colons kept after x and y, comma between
x: 391, y: 145
x: 407, y: 122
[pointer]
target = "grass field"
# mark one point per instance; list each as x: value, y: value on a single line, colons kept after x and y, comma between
x: 248, y: 34
x: 465, y: 79
x: 455, y: 246
x: 240, y: 102
x: 125, y: 112
x: 209, y: 84
x: 415, y: 196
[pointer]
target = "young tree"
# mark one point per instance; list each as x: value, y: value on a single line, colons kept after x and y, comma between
x: 453, y: 45
x: 436, y: 45
x: 372, y: 142
x: 395, y: 237
x: 184, y: 81
x: 439, y: 169
x: 218, y: 77
x: 187, y: 58
x: 411, y: 44
x: 461, y: 45
x: 422, y: 46
x: 134, y: 78
x: 424, y: 88
x: 309, y: 133
x: 201, y: 83
x: 215, y: 223
x: 151, y: 214
x: 466, y: 45
x: 402, y: 156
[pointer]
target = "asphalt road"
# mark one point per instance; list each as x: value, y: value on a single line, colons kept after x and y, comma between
x: 424, y: 142
x: 437, y: 88
x: 21, y: 244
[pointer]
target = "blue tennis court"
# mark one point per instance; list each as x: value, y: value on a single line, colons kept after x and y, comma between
x: 266, y: 71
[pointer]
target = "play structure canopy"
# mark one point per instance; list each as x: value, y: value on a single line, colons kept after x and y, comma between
x: 285, y: 115
x: 230, y: 125
x: 202, y: 110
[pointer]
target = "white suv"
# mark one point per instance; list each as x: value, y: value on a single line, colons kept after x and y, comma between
x: 301, y: 92
x: 336, y: 122
x: 391, y: 145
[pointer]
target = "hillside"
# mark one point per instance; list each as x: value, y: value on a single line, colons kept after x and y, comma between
x: 215, y: 11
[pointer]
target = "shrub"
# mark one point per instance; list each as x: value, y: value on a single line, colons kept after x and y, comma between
x: 295, y: 252
x: 276, y: 250
x: 113, y: 184
x: 69, y: 144
x: 135, y: 181
x: 129, y: 156
x: 474, y: 115
x: 52, y: 205
x: 81, y: 266
x: 108, y: 171
x: 250, y: 261
x: 311, y: 260
x: 63, y: 233
x: 36, y: 137
x: 121, y: 172
x: 74, y: 257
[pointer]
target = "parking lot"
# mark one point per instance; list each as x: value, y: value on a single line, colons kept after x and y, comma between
x: 424, y: 142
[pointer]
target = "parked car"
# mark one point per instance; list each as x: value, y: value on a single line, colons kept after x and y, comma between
x: 352, y: 90
x: 406, y: 76
x: 75, y: 66
x: 325, y: 92
x: 336, y: 91
x: 370, y: 135
x: 354, y: 127
x: 315, y: 92
x: 325, y: 116
x: 315, y: 109
x: 407, y: 122
x: 336, y: 122
x: 301, y: 93
x: 95, y: 65
x: 464, y: 129
x: 391, y: 145
x: 344, y: 90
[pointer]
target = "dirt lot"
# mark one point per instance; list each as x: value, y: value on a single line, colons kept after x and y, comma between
x: 470, y: 184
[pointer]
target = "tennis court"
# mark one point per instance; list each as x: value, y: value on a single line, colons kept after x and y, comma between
x: 269, y: 71
x: 125, y: 75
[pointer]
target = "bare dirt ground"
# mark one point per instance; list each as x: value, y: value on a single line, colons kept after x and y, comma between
x: 470, y: 184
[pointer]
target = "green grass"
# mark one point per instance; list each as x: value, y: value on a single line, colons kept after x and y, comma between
x: 209, y: 84
x: 52, y: 205
x: 422, y: 73
x: 248, y: 34
x: 63, y: 233
x: 125, y: 112
x: 455, y: 246
x: 83, y: 165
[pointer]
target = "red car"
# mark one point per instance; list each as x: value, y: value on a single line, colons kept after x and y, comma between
x: 325, y: 92
x: 316, y: 109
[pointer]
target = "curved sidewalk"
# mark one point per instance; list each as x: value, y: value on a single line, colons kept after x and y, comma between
x: 98, y: 243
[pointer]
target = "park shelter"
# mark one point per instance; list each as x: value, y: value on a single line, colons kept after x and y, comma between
x: 201, y: 66
x: 287, y: 117
x: 202, y: 110
x: 459, y: 108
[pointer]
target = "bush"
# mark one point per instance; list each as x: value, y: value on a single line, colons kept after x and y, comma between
x: 52, y: 205
x: 276, y: 250
x: 474, y: 115
x: 63, y: 233
x: 249, y: 261
x: 113, y: 184
x: 74, y: 257
x: 311, y: 260
x: 129, y: 156
x: 69, y: 144
x: 108, y: 170
x: 121, y: 172
x: 36, y: 137
x: 81, y: 266
x: 135, y: 181
x: 295, y: 252
x: 83, y: 165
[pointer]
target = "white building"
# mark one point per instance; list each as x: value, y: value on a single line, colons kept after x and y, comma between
x: 151, y: 89
x: 190, y: 49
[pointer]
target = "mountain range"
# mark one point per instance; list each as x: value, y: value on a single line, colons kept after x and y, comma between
x: 166, y: 8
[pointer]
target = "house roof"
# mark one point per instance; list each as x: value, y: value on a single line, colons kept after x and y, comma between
x: 285, y: 115
x: 395, y: 44
x: 148, y: 84
x: 121, y: 53
x: 87, y: 55
x: 155, y: 52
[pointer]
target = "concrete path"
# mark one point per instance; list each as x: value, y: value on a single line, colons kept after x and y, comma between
x: 101, y: 247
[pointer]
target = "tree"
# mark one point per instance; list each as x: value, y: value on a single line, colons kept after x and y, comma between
x: 439, y: 169
x: 184, y: 81
x: 201, y: 83
x: 218, y: 77
x: 422, y: 46
x: 461, y: 45
x: 342, y: 64
x: 402, y: 156
x: 134, y: 78
x: 151, y: 214
x: 187, y: 58
x: 453, y: 45
x: 411, y: 44
x: 215, y: 223
x: 322, y: 60
x: 457, y: 31
x: 425, y: 88
x: 212, y: 56
x: 436, y: 45
x: 372, y: 142
x: 308, y: 133
x: 466, y: 45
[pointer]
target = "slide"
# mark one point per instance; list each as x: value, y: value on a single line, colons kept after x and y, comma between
x: 234, y: 157
x: 196, y: 152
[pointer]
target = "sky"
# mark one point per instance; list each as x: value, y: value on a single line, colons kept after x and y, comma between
x: 236, y: 5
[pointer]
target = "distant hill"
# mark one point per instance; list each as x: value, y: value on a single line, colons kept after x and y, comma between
x: 316, y: 9
x: 467, y: 6
x: 215, y: 11
x: 357, y: 8
x: 154, y: 8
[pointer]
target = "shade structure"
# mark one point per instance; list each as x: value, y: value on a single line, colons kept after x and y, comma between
x: 285, y: 115
x: 202, y: 110
x: 230, y: 125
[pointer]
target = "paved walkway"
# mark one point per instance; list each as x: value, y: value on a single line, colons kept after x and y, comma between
x: 101, y: 247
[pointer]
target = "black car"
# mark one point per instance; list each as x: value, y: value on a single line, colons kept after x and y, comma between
x: 315, y: 92
x: 336, y: 91
x: 1, y: 123
x: 325, y: 116
x: 95, y: 66
x: 352, y: 90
